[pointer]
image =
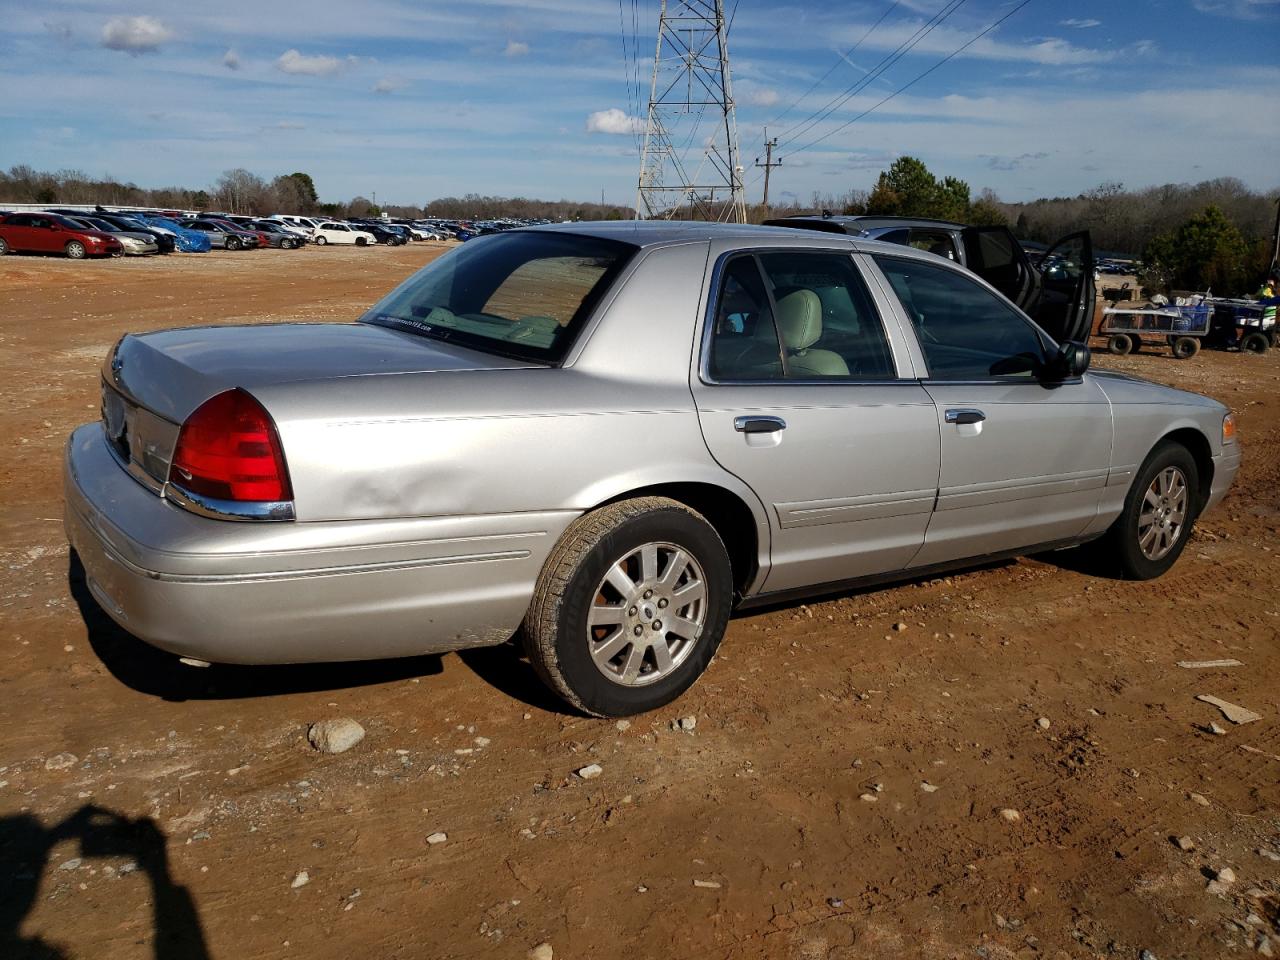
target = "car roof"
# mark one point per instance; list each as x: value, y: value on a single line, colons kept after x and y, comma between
x: 652, y: 233
x: 868, y: 222
x: 649, y: 233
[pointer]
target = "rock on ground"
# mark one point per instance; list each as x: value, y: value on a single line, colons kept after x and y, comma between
x: 335, y: 736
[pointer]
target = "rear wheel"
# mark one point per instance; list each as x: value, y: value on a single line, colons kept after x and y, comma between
x: 630, y: 607
x: 75, y: 250
x: 1254, y: 343
x: 1158, y: 514
x: 4, y: 246
x: 1184, y: 348
x: 1120, y: 344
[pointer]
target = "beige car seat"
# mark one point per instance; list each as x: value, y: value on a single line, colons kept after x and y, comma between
x: 800, y: 324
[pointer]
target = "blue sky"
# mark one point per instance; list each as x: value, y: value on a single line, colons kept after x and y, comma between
x: 416, y: 100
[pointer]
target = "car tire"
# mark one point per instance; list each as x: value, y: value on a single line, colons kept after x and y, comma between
x: 4, y: 246
x: 321, y: 241
x: 361, y: 242
x: 75, y: 250
x: 1254, y: 343
x: 1166, y: 488
x: 232, y: 243
x: 614, y: 568
x: 1120, y: 344
x: 1184, y: 348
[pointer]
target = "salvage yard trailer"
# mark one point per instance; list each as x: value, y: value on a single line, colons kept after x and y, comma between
x: 1218, y: 323
x: 1181, y: 326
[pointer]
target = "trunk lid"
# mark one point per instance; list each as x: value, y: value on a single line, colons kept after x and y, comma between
x: 152, y: 382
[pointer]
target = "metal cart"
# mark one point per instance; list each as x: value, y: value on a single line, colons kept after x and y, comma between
x: 1181, y: 327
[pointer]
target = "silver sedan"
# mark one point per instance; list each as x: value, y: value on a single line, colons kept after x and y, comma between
x: 603, y: 438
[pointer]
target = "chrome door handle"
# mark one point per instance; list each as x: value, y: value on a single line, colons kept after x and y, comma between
x: 759, y: 424
x: 965, y: 415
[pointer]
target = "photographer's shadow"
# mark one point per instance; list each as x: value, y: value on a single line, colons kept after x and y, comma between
x: 25, y: 846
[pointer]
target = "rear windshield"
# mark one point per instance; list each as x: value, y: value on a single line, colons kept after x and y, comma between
x: 520, y: 294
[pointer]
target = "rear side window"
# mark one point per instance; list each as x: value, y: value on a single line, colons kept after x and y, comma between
x: 797, y: 315
x: 965, y: 331
x: 521, y: 294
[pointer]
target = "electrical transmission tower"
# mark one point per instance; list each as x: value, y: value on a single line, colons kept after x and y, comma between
x: 690, y: 81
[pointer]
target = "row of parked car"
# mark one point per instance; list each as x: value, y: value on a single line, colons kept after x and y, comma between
x: 78, y: 234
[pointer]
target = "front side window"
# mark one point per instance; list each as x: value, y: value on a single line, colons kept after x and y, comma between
x: 521, y: 294
x: 797, y: 315
x: 965, y: 331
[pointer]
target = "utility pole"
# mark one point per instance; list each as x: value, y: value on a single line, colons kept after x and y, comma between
x: 691, y: 81
x: 769, y: 164
x: 1275, y: 253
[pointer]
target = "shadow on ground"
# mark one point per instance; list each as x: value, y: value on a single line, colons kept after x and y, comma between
x: 25, y: 845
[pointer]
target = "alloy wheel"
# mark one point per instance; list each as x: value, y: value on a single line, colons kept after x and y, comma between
x: 648, y: 614
x: 1163, y: 514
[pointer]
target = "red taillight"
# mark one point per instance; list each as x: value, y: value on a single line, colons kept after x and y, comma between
x: 229, y: 450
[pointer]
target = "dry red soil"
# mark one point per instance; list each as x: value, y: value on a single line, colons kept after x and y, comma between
x: 839, y: 797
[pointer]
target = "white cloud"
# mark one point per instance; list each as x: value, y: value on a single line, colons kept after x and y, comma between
x: 613, y: 120
x: 760, y: 96
x: 135, y: 35
x: 388, y: 85
x: 231, y: 59
x: 515, y: 48
x: 1240, y: 9
x: 291, y: 61
x: 1079, y: 24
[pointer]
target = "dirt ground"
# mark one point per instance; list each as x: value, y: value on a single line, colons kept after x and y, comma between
x: 839, y: 797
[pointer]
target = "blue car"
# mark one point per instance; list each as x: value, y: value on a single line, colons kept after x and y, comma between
x: 189, y: 241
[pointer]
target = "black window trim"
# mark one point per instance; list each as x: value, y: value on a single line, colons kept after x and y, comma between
x: 967, y: 274
x: 713, y: 302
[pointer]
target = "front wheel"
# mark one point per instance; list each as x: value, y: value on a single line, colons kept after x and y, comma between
x: 75, y: 250
x: 321, y: 241
x: 1120, y: 344
x: 233, y: 243
x: 361, y: 241
x: 1152, y: 530
x: 630, y: 607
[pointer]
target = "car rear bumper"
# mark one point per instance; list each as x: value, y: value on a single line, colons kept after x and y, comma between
x: 293, y: 592
x: 1225, y: 467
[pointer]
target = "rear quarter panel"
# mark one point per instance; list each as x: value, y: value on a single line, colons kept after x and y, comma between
x: 617, y: 417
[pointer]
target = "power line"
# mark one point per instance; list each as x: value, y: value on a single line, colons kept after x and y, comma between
x: 911, y: 83
x: 840, y: 58
x: 890, y: 60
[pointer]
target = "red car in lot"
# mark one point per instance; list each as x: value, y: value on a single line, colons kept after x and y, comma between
x: 50, y: 233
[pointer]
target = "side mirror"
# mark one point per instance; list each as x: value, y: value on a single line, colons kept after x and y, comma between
x: 1071, y: 361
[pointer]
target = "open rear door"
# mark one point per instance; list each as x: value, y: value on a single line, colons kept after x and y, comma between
x: 995, y: 254
x: 1065, y: 311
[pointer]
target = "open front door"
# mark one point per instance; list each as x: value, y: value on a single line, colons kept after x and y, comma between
x: 1067, y: 293
x: 995, y: 254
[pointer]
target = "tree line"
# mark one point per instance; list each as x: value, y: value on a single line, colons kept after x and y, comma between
x: 1216, y: 235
